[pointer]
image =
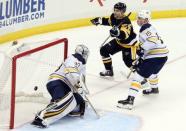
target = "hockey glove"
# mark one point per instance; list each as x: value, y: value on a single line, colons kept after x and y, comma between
x: 140, y: 52
x: 80, y: 89
x: 96, y: 21
x: 115, y: 32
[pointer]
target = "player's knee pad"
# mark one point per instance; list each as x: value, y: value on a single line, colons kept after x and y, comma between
x: 56, y: 110
x: 104, y: 51
x: 153, y: 80
x: 80, y: 108
x: 128, y: 60
x: 79, y: 98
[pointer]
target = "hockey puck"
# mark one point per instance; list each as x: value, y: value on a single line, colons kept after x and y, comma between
x: 14, y: 43
x: 35, y: 88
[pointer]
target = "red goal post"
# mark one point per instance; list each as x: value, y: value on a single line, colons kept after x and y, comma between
x: 14, y: 71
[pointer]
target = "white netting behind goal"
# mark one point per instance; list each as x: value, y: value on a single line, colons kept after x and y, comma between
x: 25, y: 68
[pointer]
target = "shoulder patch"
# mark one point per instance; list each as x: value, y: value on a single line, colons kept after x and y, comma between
x: 144, y: 27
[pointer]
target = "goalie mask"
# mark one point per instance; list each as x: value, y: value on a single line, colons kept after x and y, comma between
x: 82, y: 50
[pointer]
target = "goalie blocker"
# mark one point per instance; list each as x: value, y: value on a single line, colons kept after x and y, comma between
x: 66, y: 100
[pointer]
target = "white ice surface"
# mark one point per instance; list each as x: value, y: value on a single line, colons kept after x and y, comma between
x: 164, y: 112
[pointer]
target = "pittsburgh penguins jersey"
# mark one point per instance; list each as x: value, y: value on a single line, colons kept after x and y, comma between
x: 70, y: 71
x: 151, y: 43
x: 127, y: 35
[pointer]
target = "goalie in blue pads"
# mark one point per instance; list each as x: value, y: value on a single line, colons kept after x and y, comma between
x: 65, y: 90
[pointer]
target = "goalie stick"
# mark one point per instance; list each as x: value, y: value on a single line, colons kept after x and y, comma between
x: 84, y: 87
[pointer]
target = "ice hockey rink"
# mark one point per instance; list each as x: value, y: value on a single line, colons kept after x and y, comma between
x: 163, y: 112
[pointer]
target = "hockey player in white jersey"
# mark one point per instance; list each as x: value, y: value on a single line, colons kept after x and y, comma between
x: 153, y: 55
x: 65, y: 90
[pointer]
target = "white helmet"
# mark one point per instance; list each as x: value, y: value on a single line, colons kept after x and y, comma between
x: 145, y: 14
x: 82, y: 50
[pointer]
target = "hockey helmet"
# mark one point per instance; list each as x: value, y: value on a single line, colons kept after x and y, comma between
x: 120, y: 6
x: 82, y: 50
x: 144, y: 14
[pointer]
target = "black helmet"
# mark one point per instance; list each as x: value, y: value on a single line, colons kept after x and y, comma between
x: 120, y: 6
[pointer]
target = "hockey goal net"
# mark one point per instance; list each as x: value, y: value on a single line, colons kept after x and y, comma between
x: 24, y: 72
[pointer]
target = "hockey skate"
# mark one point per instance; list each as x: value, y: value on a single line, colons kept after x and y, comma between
x: 151, y: 91
x: 107, y: 73
x: 38, y: 122
x: 80, y: 112
x: 127, y: 103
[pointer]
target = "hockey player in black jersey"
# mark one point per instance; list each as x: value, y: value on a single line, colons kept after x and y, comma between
x: 124, y: 38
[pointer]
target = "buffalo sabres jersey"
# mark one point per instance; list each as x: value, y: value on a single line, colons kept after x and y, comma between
x: 127, y: 35
x: 151, y: 43
x: 70, y: 71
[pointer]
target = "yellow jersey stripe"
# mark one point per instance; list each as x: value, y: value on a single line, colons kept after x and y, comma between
x: 108, y: 58
x: 56, y: 76
x: 70, y: 70
x: 155, y: 81
x: 158, y: 51
x: 107, y: 61
x: 51, y: 114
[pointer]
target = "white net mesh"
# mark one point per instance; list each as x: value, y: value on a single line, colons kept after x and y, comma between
x: 32, y: 71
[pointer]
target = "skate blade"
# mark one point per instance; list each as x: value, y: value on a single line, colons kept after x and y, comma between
x: 41, y: 127
x: 128, y: 107
x: 38, y: 126
x: 107, y: 77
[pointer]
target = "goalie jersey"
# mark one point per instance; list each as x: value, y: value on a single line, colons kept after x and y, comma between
x: 151, y: 43
x: 70, y: 71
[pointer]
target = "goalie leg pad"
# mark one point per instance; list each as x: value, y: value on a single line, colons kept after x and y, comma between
x: 80, y: 108
x: 56, y: 110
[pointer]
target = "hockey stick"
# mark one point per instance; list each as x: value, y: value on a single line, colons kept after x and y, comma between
x: 105, y: 41
x: 129, y: 74
x: 131, y: 69
x: 117, y: 27
x: 84, y: 87
x: 98, y: 116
